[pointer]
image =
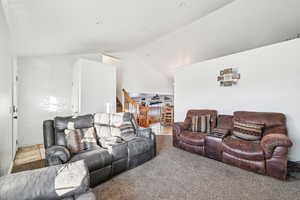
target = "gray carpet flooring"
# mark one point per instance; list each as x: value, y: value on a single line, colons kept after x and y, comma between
x: 178, y: 175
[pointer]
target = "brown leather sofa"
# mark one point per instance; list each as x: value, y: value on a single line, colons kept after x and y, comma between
x: 188, y: 140
x: 267, y: 156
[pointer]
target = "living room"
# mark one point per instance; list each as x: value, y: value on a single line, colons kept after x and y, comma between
x: 136, y: 99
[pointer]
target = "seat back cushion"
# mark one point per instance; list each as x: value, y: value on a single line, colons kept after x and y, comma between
x: 121, y: 125
x: 70, y: 122
x: 213, y: 117
x: 79, y: 140
x: 273, y: 122
x: 117, y: 125
x: 225, y: 122
x: 247, y: 130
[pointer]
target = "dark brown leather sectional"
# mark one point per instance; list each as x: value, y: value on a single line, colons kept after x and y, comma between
x: 266, y: 156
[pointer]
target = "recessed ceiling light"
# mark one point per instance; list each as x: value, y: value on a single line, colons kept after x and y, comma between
x: 182, y: 4
x: 99, y: 21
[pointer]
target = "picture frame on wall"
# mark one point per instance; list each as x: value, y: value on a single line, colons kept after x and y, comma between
x: 228, y: 77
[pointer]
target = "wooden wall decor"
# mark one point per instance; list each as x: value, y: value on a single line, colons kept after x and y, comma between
x: 228, y: 77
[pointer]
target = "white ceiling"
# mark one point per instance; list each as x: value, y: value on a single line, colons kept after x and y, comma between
x: 236, y: 27
x: 165, y: 34
x: 43, y: 27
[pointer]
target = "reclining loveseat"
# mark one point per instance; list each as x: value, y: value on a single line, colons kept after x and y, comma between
x: 108, y: 143
x: 255, y: 141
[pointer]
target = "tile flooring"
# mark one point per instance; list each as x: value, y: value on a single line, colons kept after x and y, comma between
x: 31, y: 157
x: 161, y: 130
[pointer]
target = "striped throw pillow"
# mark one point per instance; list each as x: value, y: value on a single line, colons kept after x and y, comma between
x: 247, y: 130
x: 124, y: 130
x: 208, y: 125
x: 112, y: 126
x: 201, y: 123
x: 80, y: 139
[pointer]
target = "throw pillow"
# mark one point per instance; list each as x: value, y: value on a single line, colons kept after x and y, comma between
x: 247, y: 130
x: 208, y: 124
x: 201, y: 123
x: 80, y: 139
x: 89, y: 139
x: 121, y: 126
x: 196, y: 124
x: 111, y: 126
x: 73, y: 140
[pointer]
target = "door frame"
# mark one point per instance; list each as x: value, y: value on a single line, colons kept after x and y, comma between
x: 14, y: 106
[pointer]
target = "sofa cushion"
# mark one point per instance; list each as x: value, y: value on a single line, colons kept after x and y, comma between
x: 213, y: 114
x: 193, y: 138
x: 109, y: 141
x: 81, y: 139
x: 200, y: 123
x: 139, y: 145
x: 78, y: 122
x: 94, y: 159
x: 74, y: 140
x: 249, y: 150
x: 118, y: 151
x: 85, y: 121
x: 225, y: 122
x: 247, y: 130
x: 274, y: 122
x: 113, y: 125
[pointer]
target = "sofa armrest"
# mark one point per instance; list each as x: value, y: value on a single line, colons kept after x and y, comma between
x: 144, y: 132
x: 271, y: 141
x: 147, y: 133
x: 55, y: 182
x: 48, y: 133
x: 86, y: 196
x: 179, y: 127
x: 57, y: 155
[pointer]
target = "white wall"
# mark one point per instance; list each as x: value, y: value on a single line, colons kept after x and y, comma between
x: 269, y: 82
x: 136, y: 74
x: 45, y: 91
x: 5, y: 98
x: 236, y: 27
x: 96, y: 86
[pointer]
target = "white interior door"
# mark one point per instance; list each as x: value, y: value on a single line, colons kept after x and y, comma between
x: 96, y: 87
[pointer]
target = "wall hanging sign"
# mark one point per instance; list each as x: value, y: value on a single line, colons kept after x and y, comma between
x: 228, y: 77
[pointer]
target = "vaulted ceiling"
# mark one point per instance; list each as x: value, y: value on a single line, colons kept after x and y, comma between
x: 236, y: 27
x: 164, y: 34
x: 41, y: 27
